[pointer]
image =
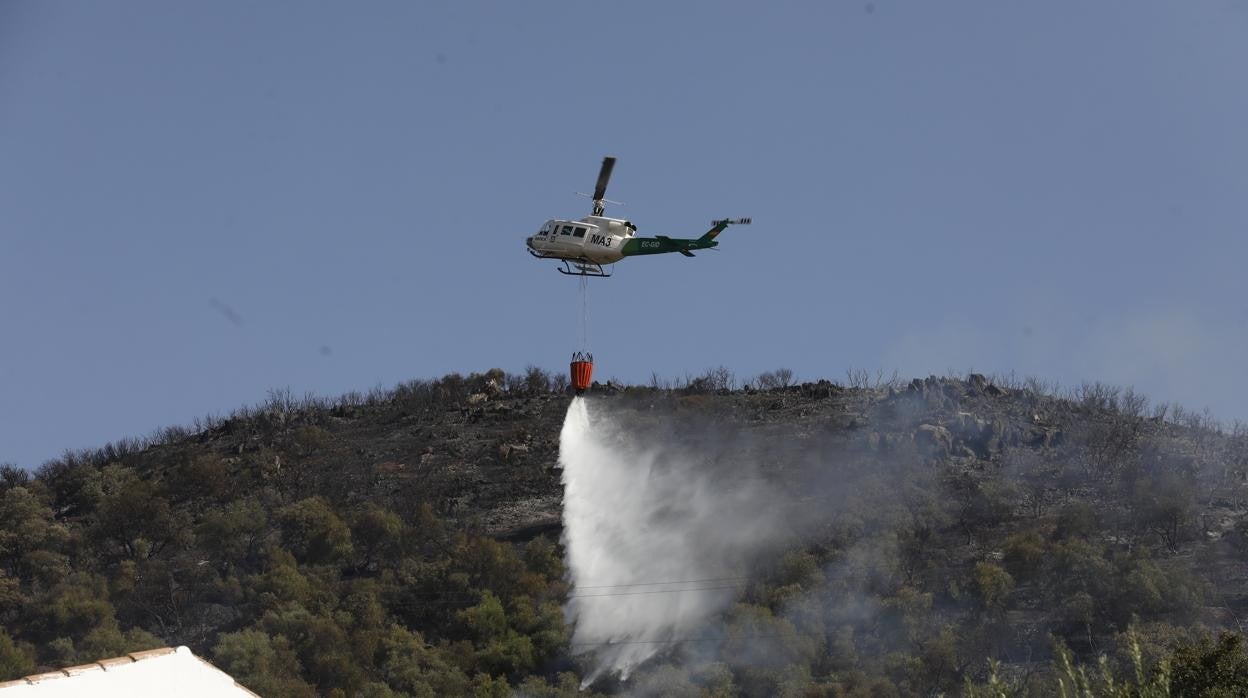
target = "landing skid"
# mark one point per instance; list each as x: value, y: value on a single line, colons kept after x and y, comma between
x: 579, y: 268
x: 575, y: 267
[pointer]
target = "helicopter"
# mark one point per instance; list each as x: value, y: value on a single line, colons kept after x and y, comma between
x: 584, y: 246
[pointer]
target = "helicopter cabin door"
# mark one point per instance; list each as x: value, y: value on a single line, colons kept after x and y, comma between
x: 572, y: 235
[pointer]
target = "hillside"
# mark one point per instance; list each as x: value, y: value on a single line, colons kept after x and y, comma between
x: 407, y: 542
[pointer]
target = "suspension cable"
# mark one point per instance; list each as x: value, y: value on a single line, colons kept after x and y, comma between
x: 584, y: 283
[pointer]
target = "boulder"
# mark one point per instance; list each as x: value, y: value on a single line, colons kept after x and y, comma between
x: 977, y: 382
x: 1041, y: 436
x: 933, y: 438
x: 508, y: 451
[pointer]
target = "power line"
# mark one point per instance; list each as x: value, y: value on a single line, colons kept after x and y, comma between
x: 654, y: 591
x: 735, y: 582
x: 675, y: 641
x: 473, y: 596
x: 650, y: 584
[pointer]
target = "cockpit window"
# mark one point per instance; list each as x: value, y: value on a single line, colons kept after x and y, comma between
x: 567, y: 230
x: 579, y: 232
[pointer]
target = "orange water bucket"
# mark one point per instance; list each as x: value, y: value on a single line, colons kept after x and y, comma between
x: 582, y: 371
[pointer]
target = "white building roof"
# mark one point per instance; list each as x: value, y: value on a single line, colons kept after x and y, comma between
x: 163, y: 672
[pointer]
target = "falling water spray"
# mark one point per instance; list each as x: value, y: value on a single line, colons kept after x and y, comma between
x: 657, y: 537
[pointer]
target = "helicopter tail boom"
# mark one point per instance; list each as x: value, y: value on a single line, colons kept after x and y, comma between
x: 685, y: 246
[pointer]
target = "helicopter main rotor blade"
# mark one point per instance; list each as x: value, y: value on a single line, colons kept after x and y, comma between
x: 604, y: 176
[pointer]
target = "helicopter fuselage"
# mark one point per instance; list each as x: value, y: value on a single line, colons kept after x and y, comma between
x: 585, y: 245
x: 594, y: 239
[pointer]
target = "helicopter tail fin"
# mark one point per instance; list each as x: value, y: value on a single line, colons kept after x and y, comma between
x: 719, y: 226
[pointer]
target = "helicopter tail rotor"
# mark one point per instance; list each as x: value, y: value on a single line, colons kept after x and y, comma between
x: 719, y: 225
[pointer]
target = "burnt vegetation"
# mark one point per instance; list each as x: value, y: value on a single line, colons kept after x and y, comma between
x: 966, y: 535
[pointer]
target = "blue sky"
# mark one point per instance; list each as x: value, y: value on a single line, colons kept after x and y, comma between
x: 203, y: 201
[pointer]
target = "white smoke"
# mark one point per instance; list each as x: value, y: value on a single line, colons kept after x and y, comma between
x: 658, y: 537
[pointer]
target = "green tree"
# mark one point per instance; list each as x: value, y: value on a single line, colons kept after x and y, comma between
x: 1024, y: 555
x: 1211, y: 668
x: 1076, y: 520
x: 487, y: 620
x: 565, y: 685
x: 282, y: 584
x: 314, y: 533
x: 939, y: 665
x: 205, y: 477
x: 762, y: 664
x: 493, y: 565
x: 378, y: 534
x: 408, y: 664
x: 27, y: 527
x: 72, y: 608
x: 133, y: 515
x: 992, y: 586
x: 15, y: 659
x: 322, y: 646
x: 541, y: 622
x: 265, y: 664
x: 499, y: 648
x: 666, y: 680
x: 544, y: 558
x: 910, y: 613
x: 1164, y: 502
x: 11, y: 597
x: 978, y: 503
x: 234, y: 532
x: 107, y: 640
x: 1078, y: 567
